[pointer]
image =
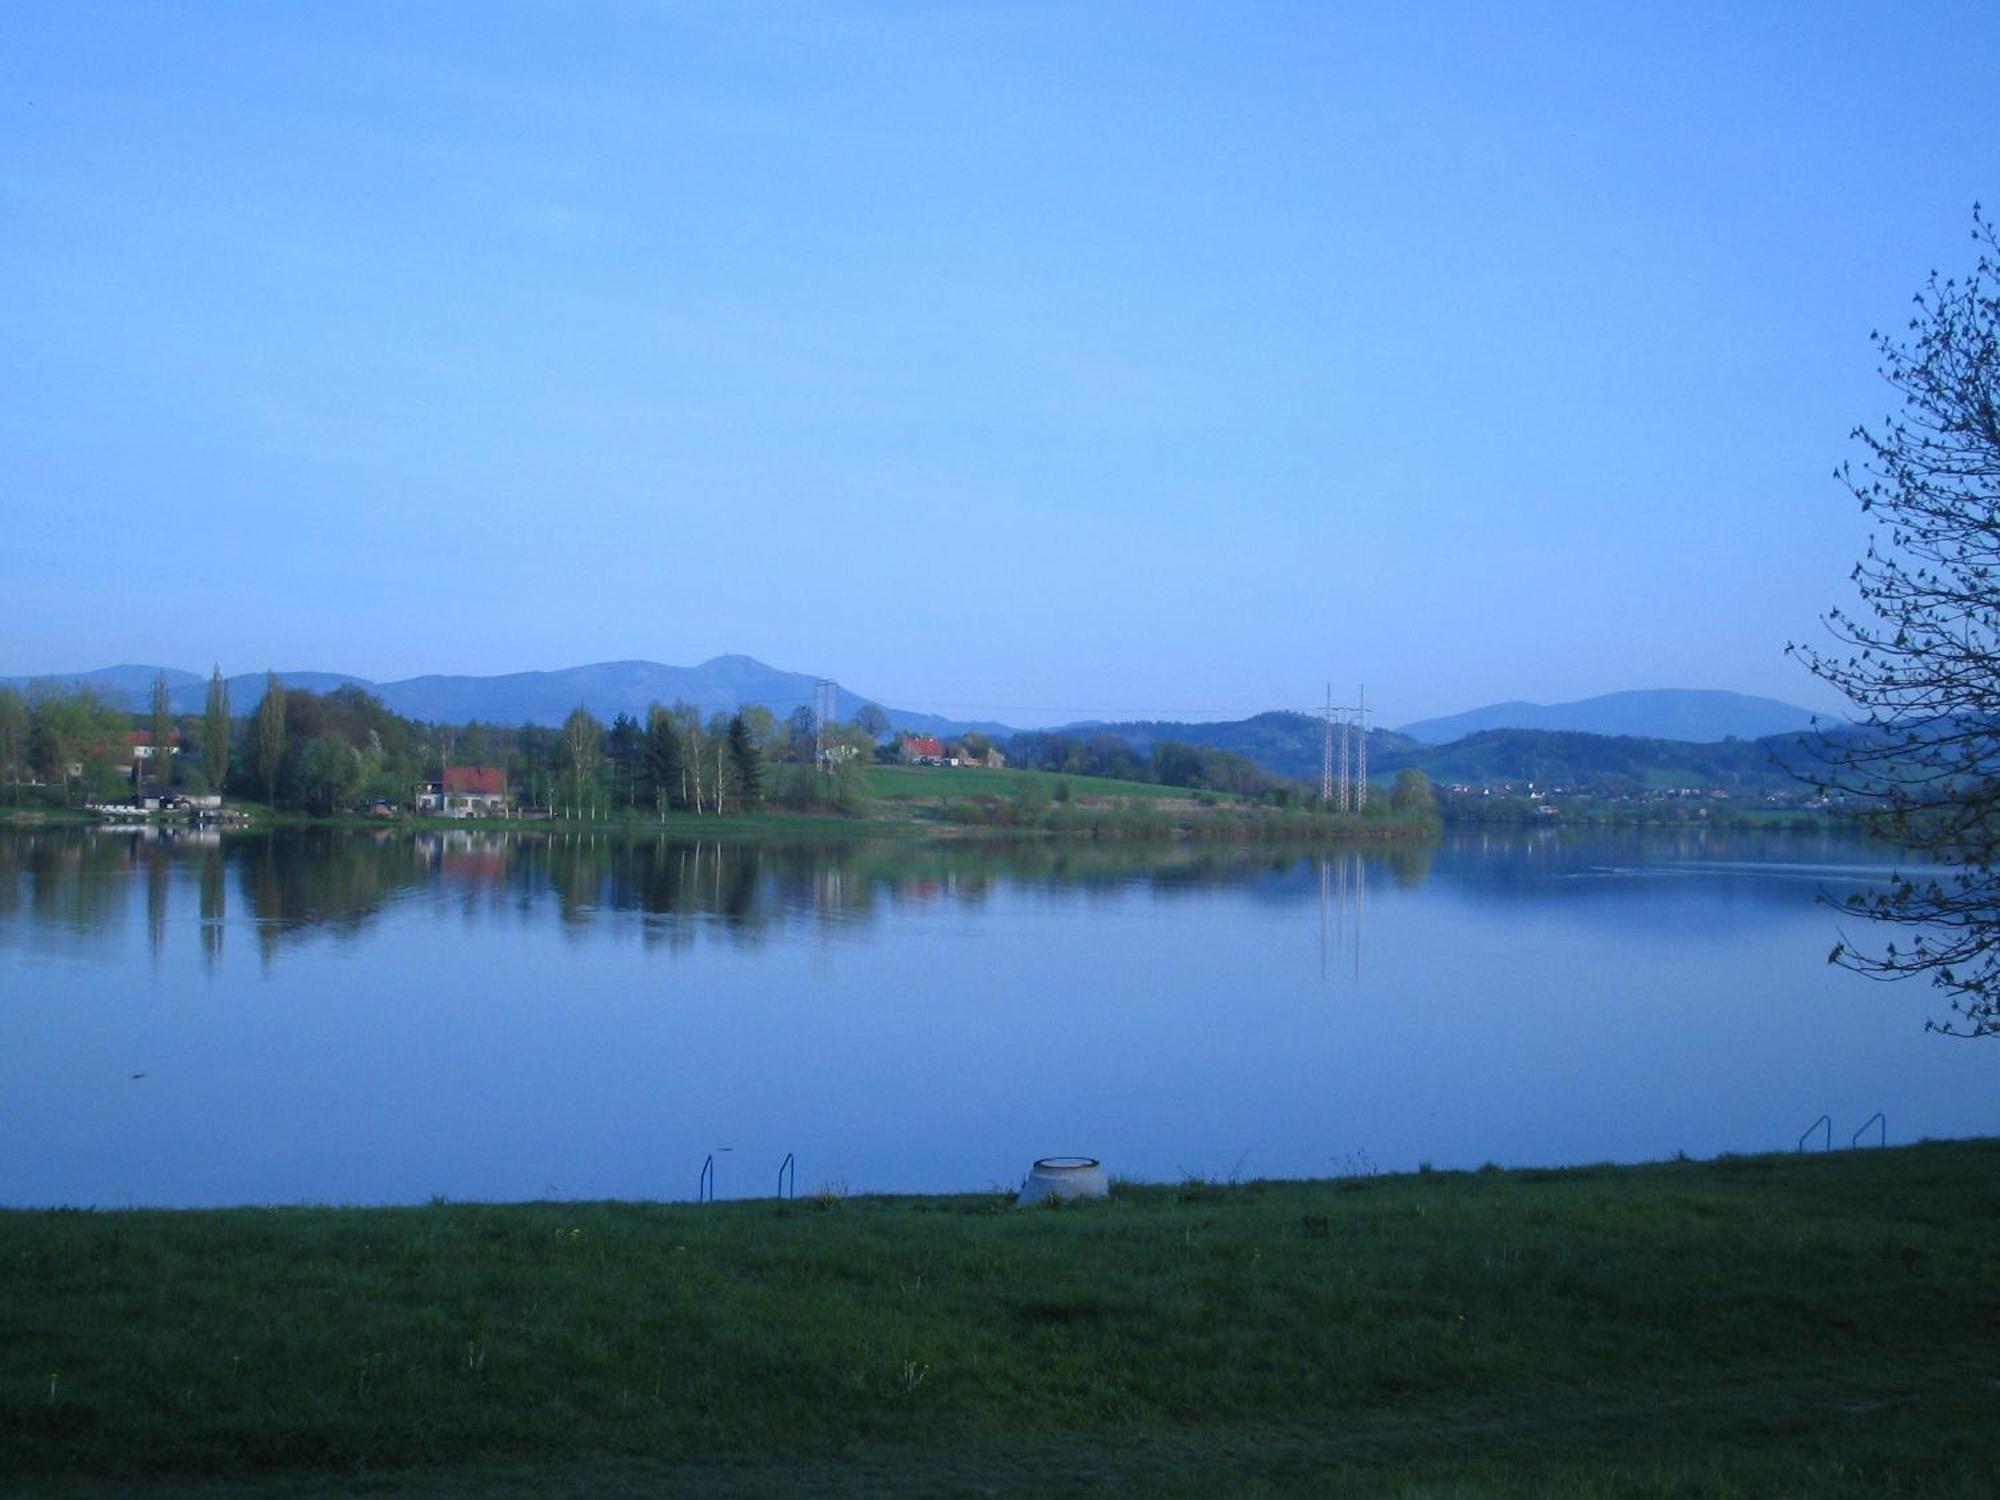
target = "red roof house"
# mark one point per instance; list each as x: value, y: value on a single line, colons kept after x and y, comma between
x: 467, y: 792
x: 475, y: 781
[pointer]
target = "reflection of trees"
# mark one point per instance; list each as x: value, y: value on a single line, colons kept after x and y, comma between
x: 214, y: 903
x: 297, y: 883
x: 66, y: 879
x: 159, y: 875
x: 317, y: 879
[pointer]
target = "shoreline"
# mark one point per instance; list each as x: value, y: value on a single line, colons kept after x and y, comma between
x: 1110, y: 824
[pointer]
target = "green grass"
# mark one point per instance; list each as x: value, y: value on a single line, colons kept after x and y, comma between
x: 1818, y: 1325
x: 933, y: 783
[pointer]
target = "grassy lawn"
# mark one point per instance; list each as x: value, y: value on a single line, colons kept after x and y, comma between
x: 1814, y: 1325
x: 932, y: 783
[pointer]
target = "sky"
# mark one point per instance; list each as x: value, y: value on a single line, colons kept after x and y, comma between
x: 1025, y: 361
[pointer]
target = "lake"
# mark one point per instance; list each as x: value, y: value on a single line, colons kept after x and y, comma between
x: 351, y: 1018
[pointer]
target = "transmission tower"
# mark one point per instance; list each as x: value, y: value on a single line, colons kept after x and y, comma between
x: 825, y: 698
x: 1361, y: 752
x: 1326, y: 752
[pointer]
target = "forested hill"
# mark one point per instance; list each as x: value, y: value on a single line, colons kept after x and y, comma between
x: 1603, y: 764
x: 1290, y: 744
x: 1699, y: 715
x: 721, y: 684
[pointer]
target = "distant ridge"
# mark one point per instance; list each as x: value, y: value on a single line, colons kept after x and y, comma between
x: 1690, y: 715
x: 721, y: 684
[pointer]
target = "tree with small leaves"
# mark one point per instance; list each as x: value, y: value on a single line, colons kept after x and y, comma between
x: 1920, y: 657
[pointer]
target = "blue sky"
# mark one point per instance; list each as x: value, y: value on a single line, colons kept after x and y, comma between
x: 1022, y: 360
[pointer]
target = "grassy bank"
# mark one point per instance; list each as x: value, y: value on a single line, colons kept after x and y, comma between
x: 1820, y: 1325
x: 914, y: 803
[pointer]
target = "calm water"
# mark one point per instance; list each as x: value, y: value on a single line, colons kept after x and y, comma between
x: 341, y: 1018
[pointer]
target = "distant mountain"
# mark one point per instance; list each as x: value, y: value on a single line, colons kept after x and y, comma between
x: 129, y: 686
x: 1690, y: 715
x: 722, y: 684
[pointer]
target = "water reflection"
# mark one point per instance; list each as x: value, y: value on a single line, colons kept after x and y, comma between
x: 379, y: 1017
x: 296, y: 885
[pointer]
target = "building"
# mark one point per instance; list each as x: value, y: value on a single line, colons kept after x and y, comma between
x: 920, y: 750
x: 465, y: 792
x: 140, y: 744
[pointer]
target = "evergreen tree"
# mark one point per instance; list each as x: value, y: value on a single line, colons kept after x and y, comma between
x: 747, y: 761
x: 623, y: 743
x: 661, y: 759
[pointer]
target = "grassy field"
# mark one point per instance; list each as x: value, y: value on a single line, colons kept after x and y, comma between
x: 932, y: 783
x: 1816, y: 1325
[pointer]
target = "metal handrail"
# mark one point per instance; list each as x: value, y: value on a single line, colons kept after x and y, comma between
x: 788, y: 1166
x: 704, y: 1187
x: 1827, y: 1121
x: 1878, y: 1118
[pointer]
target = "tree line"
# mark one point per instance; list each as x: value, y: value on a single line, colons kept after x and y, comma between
x: 329, y: 753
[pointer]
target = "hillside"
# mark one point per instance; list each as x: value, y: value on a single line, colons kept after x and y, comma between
x: 1690, y: 715
x: 1609, y: 765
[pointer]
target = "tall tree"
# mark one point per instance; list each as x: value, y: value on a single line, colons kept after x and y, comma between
x: 162, y: 764
x: 662, y: 758
x: 747, y: 762
x: 581, y: 744
x: 801, y: 734
x: 1921, y: 658
x: 215, y: 731
x: 13, y: 738
x: 622, y: 745
x: 268, y: 736
x: 75, y: 733
x: 329, y: 775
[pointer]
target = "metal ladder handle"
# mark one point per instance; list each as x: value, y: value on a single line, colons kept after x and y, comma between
x: 1827, y: 1121
x: 704, y: 1187
x: 788, y: 1166
x: 1878, y: 1118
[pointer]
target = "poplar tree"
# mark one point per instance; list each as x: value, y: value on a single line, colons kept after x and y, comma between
x: 13, y: 737
x: 269, y: 727
x: 215, y: 731
x: 163, y: 732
